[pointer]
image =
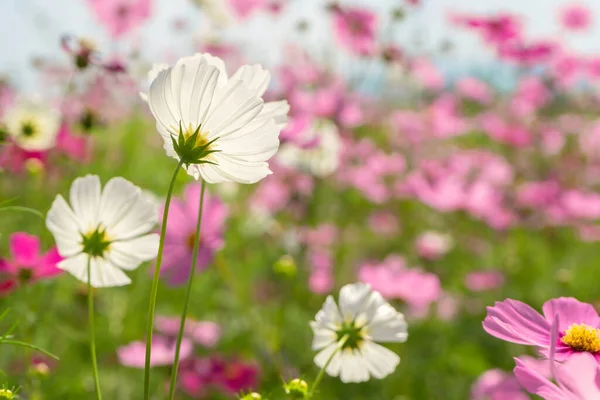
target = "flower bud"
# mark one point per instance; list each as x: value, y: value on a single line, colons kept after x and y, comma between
x: 285, y: 267
x: 296, y: 389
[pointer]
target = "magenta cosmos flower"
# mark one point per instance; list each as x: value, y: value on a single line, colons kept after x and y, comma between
x: 578, y: 326
x: 181, y: 228
x: 163, y: 352
x: 575, y: 17
x: 27, y: 263
x: 355, y: 29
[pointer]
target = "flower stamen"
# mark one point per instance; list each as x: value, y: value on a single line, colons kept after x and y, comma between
x: 582, y: 337
x: 96, y: 243
x: 353, y: 334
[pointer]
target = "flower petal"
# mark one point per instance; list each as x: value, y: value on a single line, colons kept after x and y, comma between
x: 352, y: 299
x: 25, y: 249
x: 129, y: 254
x: 254, y: 76
x: 103, y: 273
x: 379, y: 360
x: 516, y: 322
x: 62, y: 222
x: 570, y: 311
x: 85, y: 199
x: 353, y: 367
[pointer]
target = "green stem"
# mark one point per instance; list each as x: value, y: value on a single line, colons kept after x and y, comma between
x: 28, y: 345
x: 92, y: 330
x: 322, y: 371
x: 187, y: 295
x: 154, y: 289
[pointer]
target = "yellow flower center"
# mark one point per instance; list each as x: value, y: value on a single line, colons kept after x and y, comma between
x: 582, y: 337
x: 202, y: 138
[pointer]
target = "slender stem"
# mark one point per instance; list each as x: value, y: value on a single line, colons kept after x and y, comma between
x: 154, y: 289
x: 322, y: 371
x: 29, y: 345
x: 187, y: 295
x: 92, y: 330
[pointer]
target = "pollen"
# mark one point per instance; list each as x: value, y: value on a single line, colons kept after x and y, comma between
x: 582, y: 337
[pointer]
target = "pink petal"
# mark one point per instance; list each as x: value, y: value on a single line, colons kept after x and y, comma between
x: 516, y: 322
x: 570, y: 311
x: 537, y: 384
x: 25, y: 249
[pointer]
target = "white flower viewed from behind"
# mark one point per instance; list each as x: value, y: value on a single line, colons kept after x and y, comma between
x: 110, y: 227
x: 219, y: 127
x: 32, y: 125
x: 347, y: 336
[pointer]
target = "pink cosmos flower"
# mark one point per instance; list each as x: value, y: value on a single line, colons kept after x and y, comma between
x: 393, y: 280
x: 384, y: 223
x: 163, y: 352
x: 575, y: 17
x: 474, y: 89
x: 120, y: 16
x: 205, y: 333
x: 494, y: 29
x: 73, y: 146
x: 243, y: 8
x: 578, y: 378
x: 496, y: 384
x: 479, y: 281
x: 198, y: 376
x: 433, y: 245
x: 17, y: 160
x: 355, y: 28
x: 181, y: 229
x: 27, y: 264
x: 427, y: 74
x: 578, y: 326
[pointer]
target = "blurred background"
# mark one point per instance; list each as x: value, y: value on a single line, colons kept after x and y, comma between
x: 445, y: 152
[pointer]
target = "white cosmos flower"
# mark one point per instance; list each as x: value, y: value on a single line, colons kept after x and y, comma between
x: 32, y: 125
x: 320, y: 160
x: 351, y: 331
x: 229, y: 113
x: 111, y: 226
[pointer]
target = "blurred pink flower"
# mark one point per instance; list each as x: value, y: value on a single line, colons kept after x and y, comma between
x: 516, y: 322
x: 27, y: 264
x: 578, y: 378
x: 427, y: 74
x: 479, y: 281
x: 575, y: 17
x: 384, y: 223
x: 580, y: 204
x: 494, y: 29
x: 496, y: 384
x: 447, y: 307
x: 433, y: 245
x: 243, y: 8
x: 205, y: 333
x: 15, y: 159
x: 355, y: 28
x: 198, y: 376
x: 475, y: 90
x: 74, y: 146
x: 120, y: 16
x: 393, y: 280
x: 163, y: 352
x: 181, y: 229
x: 527, y: 53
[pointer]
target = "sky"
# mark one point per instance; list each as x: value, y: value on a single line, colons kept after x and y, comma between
x: 35, y: 26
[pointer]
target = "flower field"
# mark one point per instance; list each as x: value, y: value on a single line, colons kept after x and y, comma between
x: 358, y: 218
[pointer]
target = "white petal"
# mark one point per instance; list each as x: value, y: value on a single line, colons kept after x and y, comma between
x: 103, y: 273
x: 161, y: 102
x: 329, y: 316
x: 62, y: 222
x: 193, y: 83
x: 353, y: 367
x: 258, y: 145
x: 234, y: 169
x: 233, y: 107
x: 387, y: 325
x: 85, y: 199
x: 333, y: 369
x: 380, y: 361
x: 353, y: 298
x: 76, y: 266
x: 254, y: 76
x: 323, y: 337
x: 277, y: 111
x: 129, y: 254
x: 218, y: 63
x: 125, y: 211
